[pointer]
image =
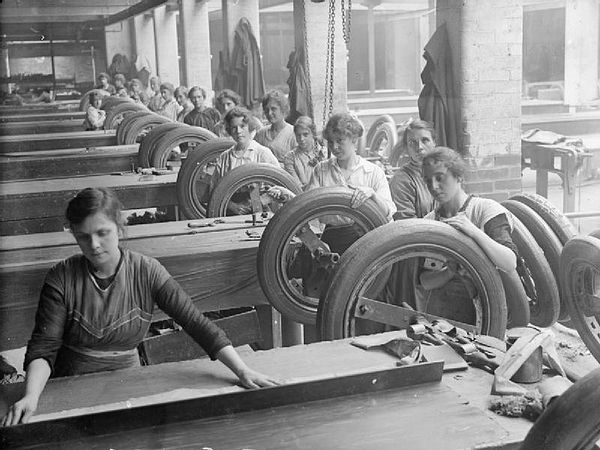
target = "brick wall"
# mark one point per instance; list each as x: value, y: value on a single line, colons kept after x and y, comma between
x: 486, y: 40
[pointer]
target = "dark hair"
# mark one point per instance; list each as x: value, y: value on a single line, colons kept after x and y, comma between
x: 450, y: 159
x: 344, y: 124
x: 120, y: 76
x: 93, y: 96
x: 103, y: 75
x: 136, y: 81
x: 238, y: 111
x: 227, y: 93
x: 197, y: 88
x: 90, y: 201
x: 307, y: 123
x: 279, y: 98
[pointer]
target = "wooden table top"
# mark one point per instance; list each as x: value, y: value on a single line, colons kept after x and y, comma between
x: 451, y: 414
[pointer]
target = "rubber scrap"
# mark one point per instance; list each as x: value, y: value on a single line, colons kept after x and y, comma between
x: 528, y: 405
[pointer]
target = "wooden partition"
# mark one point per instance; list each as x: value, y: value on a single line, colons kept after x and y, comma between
x: 54, y: 141
x: 68, y: 162
x: 37, y: 206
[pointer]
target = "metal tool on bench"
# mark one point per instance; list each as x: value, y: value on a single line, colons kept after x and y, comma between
x: 440, y: 332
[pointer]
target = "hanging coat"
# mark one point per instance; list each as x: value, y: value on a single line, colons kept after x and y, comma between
x: 246, y: 65
x: 299, y: 97
x: 438, y: 103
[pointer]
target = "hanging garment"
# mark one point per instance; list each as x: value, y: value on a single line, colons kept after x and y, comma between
x: 299, y: 97
x: 438, y: 103
x: 246, y: 65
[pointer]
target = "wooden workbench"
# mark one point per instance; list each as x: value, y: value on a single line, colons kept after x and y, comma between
x: 54, y: 141
x: 215, y: 265
x: 54, y: 116
x: 41, y: 126
x: 37, y: 206
x: 451, y: 414
x: 68, y: 162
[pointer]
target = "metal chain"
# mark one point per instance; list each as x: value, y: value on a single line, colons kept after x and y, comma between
x: 329, y: 64
x: 346, y: 20
x: 306, y: 62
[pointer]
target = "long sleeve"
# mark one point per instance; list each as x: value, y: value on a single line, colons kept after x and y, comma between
x: 50, y: 322
x: 174, y: 301
x: 404, y: 196
x: 290, y: 167
x: 95, y: 118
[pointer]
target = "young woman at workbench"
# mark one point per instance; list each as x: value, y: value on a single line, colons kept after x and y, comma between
x: 96, y: 307
x: 300, y: 162
x: 278, y: 135
x: 345, y: 168
x: 484, y: 220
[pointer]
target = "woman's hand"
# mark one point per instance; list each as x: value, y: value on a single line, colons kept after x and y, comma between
x: 462, y: 223
x: 239, y: 208
x: 280, y: 193
x: 21, y: 411
x: 251, y: 379
x: 360, y: 195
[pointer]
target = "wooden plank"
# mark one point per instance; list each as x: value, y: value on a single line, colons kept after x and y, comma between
x: 41, y: 127
x: 53, y: 141
x: 25, y: 205
x: 68, y: 162
x: 54, y: 116
x: 124, y: 420
x: 217, y: 267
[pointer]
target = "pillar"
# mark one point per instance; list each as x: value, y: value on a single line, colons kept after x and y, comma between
x: 196, y: 44
x: 232, y: 13
x: 581, y: 51
x: 144, y: 39
x: 165, y: 36
x: 317, y: 15
x: 118, y: 40
x: 487, y: 58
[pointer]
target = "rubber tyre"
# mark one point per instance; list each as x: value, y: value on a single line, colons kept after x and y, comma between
x: 148, y: 142
x: 115, y: 115
x: 244, y: 175
x: 135, y: 123
x: 545, y: 306
x: 580, y: 275
x: 387, y: 244
x: 388, y: 132
x: 271, y: 264
x: 190, y: 205
x: 517, y: 302
x: 84, y: 102
x: 111, y: 101
x: 561, y: 226
x: 571, y: 421
x: 546, y: 239
x: 595, y: 233
x: 160, y: 151
x: 385, y: 118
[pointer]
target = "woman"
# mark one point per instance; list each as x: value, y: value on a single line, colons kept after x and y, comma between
x: 120, y: 82
x: 181, y: 95
x: 238, y: 123
x: 94, y: 116
x: 224, y: 101
x: 137, y: 92
x: 413, y: 200
x: 170, y: 108
x: 201, y: 115
x: 408, y: 188
x: 156, y: 101
x: 104, y: 83
x: 345, y: 168
x: 95, y: 308
x: 279, y: 135
x: 484, y: 220
x: 299, y: 163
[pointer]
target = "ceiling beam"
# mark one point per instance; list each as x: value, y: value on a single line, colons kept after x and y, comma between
x: 134, y: 10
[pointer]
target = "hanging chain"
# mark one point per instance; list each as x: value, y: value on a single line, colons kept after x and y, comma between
x: 346, y: 20
x: 310, y: 112
x: 329, y: 64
